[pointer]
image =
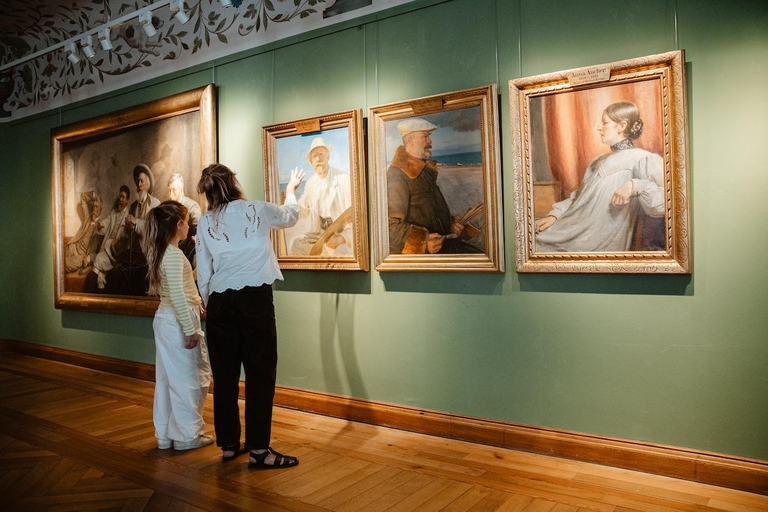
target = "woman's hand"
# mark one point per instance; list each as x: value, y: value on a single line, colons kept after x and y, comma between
x: 622, y: 195
x: 297, y: 175
x: 544, y: 223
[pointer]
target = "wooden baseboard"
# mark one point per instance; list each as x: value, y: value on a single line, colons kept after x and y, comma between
x: 710, y: 468
x: 143, y: 371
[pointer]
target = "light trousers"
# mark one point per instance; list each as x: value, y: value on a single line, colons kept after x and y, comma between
x: 182, y: 377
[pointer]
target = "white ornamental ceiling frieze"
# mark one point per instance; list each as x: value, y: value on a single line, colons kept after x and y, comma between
x: 213, y: 30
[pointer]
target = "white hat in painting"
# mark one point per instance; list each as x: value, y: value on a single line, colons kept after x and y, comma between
x: 415, y: 124
x: 318, y: 142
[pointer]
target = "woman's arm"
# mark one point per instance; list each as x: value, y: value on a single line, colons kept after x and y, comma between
x: 647, y: 183
x: 286, y: 215
x: 173, y: 265
x: 204, y: 259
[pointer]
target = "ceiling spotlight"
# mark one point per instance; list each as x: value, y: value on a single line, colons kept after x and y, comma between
x: 177, y: 6
x: 72, y: 53
x: 104, y: 39
x: 145, y: 19
x: 86, y: 43
x: 226, y: 3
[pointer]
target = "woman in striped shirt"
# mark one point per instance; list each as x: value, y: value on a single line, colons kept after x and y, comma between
x: 182, y: 371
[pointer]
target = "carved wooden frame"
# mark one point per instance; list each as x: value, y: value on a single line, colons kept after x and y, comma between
x: 492, y: 259
x: 201, y: 100
x: 353, y: 120
x: 668, y: 69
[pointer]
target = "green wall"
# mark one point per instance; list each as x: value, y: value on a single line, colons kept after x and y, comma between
x: 679, y: 360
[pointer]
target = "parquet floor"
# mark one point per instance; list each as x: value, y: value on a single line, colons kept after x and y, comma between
x: 77, y: 439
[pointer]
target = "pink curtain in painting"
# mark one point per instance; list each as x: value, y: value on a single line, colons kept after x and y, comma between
x: 571, y: 120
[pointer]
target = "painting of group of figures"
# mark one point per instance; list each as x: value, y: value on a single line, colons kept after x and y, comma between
x: 110, y: 172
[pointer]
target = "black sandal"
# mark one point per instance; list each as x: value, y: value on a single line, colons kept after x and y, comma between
x: 237, y: 449
x: 281, y: 461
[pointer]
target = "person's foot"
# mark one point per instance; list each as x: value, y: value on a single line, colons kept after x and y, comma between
x: 232, y: 452
x: 164, y: 444
x: 199, y: 442
x: 270, y: 459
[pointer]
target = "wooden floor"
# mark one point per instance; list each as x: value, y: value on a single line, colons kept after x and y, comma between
x: 77, y: 439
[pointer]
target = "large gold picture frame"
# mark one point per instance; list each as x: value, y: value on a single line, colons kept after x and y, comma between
x: 166, y: 142
x: 437, y: 203
x: 332, y: 230
x: 601, y: 170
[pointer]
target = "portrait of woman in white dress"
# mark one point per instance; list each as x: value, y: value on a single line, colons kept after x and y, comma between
x: 619, y: 187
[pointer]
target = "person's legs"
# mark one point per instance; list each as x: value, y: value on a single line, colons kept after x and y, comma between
x: 225, y: 363
x: 161, y: 410
x: 187, y: 378
x: 258, y: 335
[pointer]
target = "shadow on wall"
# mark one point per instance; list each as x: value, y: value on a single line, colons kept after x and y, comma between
x: 337, y: 318
x: 623, y: 284
x: 444, y: 282
x: 356, y: 283
x: 124, y: 325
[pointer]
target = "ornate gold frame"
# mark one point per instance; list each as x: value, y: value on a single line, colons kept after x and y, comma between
x: 202, y: 100
x: 492, y: 260
x: 353, y: 120
x: 668, y: 68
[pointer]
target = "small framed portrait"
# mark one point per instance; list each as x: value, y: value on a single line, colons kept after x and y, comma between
x: 332, y: 230
x: 600, y: 168
x: 108, y: 173
x: 437, y: 183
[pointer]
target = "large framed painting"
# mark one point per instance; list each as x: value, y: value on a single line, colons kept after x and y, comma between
x: 600, y: 168
x: 437, y: 183
x: 332, y: 230
x: 108, y: 173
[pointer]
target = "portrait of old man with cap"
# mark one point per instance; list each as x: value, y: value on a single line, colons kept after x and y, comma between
x: 420, y: 220
x: 325, y: 216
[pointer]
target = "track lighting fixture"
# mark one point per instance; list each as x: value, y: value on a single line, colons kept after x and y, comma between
x: 177, y: 6
x: 72, y: 53
x: 145, y: 19
x: 104, y: 39
x: 86, y: 43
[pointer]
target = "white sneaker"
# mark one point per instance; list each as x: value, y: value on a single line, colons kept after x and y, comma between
x: 203, y: 440
x: 164, y: 444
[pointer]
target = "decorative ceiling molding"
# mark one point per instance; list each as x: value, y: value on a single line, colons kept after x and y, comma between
x: 213, y: 31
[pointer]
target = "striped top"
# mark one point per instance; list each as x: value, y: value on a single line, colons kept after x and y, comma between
x: 177, y: 287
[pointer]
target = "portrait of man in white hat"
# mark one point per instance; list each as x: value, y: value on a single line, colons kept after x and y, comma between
x: 420, y: 221
x: 324, y: 208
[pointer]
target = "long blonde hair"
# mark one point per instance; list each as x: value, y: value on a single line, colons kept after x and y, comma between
x: 161, y: 225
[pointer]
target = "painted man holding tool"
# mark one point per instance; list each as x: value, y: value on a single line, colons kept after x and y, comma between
x: 420, y: 221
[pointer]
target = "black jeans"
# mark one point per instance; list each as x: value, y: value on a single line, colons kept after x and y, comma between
x: 241, y: 330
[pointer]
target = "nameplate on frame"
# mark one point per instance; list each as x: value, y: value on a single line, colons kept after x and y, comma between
x: 311, y: 125
x: 427, y: 105
x: 589, y: 75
